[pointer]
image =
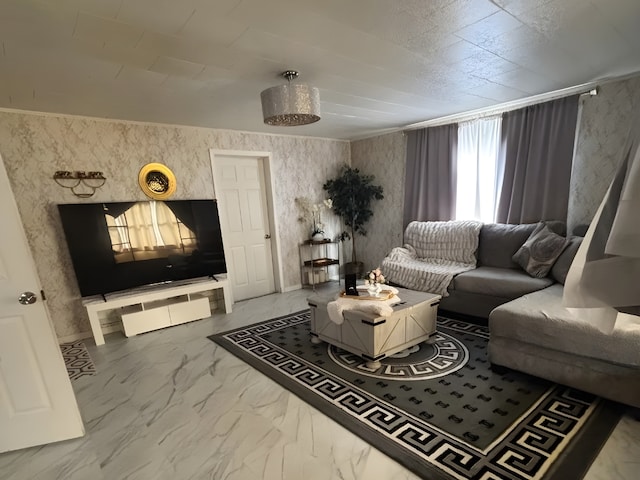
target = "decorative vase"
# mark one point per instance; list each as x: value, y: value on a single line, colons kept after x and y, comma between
x: 374, y: 289
x: 317, y: 237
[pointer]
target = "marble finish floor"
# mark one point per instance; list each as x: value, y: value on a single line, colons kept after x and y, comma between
x: 171, y: 404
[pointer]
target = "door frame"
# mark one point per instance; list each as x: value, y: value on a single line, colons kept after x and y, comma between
x: 269, y: 193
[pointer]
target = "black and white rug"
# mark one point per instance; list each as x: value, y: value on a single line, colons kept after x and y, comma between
x: 77, y: 360
x: 439, y: 409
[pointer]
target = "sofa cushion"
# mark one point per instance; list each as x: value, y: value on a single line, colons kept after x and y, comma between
x: 500, y: 241
x: 498, y: 282
x: 560, y: 269
x: 540, y: 319
x: 537, y: 255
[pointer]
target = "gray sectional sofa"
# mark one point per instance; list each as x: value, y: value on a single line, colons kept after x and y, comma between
x: 530, y: 329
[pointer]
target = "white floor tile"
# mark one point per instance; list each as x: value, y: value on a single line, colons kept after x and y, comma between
x: 173, y: 405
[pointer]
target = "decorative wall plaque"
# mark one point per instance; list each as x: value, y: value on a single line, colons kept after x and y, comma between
x: 157, y: 181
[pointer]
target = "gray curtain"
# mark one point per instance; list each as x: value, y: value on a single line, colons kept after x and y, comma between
x: 536, y: 152
x: 430, y: 183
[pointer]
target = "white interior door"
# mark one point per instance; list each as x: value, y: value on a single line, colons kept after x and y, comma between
x: 242, y: 200
x: 37, y: 403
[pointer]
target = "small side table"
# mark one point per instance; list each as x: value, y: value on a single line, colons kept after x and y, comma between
x: 316, y: 258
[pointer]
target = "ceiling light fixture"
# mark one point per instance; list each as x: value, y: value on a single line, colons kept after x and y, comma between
x: 290, y: 105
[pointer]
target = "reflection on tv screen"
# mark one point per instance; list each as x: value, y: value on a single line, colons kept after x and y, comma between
x: 120, y: 245
x: 148, y: 230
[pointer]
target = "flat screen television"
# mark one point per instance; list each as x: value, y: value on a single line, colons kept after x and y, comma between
x: 121, y: 245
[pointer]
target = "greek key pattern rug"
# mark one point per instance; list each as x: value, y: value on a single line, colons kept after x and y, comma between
x: 439, y: 409
x: 77, y: 360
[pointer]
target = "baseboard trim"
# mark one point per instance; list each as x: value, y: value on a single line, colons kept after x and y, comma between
x: 75, y: 337
x: 291, y: 288
x: 89, y: 335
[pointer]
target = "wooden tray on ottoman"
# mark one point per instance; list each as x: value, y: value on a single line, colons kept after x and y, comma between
x: 383, y: 295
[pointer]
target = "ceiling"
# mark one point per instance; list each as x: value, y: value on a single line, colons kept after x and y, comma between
x: 379, y: 64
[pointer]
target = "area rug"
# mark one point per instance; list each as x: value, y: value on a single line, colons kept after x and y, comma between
x: 438, y: 409
x: 77, y: 360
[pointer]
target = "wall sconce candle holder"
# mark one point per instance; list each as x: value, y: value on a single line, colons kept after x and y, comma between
x: 81, y: 184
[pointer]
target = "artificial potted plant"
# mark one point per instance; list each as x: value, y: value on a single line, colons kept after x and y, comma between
x: 352, y: 193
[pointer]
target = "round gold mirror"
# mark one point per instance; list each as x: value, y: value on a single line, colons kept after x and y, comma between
x: 157, y: 181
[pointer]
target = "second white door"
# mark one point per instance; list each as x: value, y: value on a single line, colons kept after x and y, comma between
x: 242, y: 200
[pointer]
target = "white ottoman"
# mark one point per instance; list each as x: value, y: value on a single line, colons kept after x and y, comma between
x: 373, y: 337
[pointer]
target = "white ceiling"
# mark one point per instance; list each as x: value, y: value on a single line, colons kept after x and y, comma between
x: 379, y: 64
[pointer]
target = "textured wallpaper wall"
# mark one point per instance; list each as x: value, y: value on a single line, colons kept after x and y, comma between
x: 603, y: 130
x: 384, y: 157
x: 34, y: 146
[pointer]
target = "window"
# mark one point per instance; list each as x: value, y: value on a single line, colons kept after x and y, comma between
x: 478, y: 170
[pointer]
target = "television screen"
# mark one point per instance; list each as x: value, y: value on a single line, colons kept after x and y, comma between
x: 121, y: 245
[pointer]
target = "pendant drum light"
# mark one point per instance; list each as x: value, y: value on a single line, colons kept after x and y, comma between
x: 291, y: 104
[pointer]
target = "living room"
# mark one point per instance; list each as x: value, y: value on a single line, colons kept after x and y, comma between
x: 36, y: 142
x: 301, y: 165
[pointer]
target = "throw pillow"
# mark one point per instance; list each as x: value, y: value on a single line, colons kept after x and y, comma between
x: 500, y: 241
x: 560, y: 269
x: 538, y: 254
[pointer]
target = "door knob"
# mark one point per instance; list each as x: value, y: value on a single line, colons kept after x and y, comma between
x: 27, y: 298
x: 267, y: 236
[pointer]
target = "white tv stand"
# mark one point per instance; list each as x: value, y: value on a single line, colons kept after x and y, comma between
x: 159, y: 306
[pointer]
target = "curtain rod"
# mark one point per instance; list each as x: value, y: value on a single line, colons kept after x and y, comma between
x: 590, y: 89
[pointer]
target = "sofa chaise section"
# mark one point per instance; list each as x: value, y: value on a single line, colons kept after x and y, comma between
x: 535, y: 334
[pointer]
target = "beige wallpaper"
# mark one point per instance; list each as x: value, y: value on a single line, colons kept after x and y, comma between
x: 603, y: 129
x: 384, y: 157
x: 35, y: 146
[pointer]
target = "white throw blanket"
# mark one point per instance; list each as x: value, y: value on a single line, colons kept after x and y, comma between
x: 433, y: 254
x: 381, y: 308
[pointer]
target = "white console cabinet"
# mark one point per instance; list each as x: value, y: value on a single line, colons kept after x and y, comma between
x: 150, y: 308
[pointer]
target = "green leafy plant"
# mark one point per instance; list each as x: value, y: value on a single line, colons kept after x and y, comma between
x: 352, y: 193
